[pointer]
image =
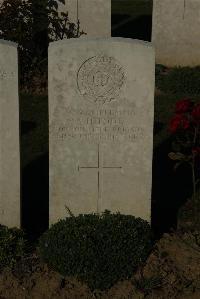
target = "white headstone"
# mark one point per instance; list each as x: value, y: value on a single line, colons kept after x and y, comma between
x: 94, y: 16
x: 176, y: 33
x: 9, y: 136
x: 101, y: 103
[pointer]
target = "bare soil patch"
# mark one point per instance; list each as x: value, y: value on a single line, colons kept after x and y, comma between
x: 171, y: 271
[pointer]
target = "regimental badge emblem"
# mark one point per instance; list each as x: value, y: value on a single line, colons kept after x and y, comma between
x: 100, y: 79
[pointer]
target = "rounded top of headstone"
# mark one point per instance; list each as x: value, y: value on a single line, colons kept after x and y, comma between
x: 100, y: 40
x: 8, y: 43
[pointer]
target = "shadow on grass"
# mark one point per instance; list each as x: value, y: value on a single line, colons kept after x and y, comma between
x: 35, y: 197
x: 136, y: 28
x: 170, y: 189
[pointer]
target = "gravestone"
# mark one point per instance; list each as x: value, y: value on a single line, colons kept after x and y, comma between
x: 9, y: 136
x: 101, y: 103
x: 176, y: 33
x: 94, y: 16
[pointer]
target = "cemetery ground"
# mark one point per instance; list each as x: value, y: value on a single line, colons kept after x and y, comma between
x: 171, y: 270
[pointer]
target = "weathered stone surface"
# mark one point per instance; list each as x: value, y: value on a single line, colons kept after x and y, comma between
x: 94, y: 16
x: 101, y: 94
x: 176, y: 33
x: 9, y: 136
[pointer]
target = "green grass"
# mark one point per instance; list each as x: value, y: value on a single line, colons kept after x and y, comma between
x: 184, y: 79
x: 132, y: 7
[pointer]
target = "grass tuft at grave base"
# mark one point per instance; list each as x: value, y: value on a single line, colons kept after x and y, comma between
x: 97, y: 249
x: 12, y: 246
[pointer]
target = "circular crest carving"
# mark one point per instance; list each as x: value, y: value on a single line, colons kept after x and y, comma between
x: 100, y: 79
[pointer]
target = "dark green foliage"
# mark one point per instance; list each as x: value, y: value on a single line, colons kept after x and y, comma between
x: 184, y: 80
x: 16, y: 25
x: 12, y: 246
x: 98, y: 249
x: 33, y: 24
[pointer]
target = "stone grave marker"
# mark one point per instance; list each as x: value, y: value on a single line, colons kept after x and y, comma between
x: 9, y: 136
x: 94, y: 16
x: 175, y: 32
x: 101, y: 103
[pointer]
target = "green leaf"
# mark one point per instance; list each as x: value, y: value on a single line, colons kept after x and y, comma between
x: 177, y: 156
x: 69, y: 211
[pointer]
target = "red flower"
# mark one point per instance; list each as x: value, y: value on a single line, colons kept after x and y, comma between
x: 196, y: 150
x: 196, y: 113
x: 179, y: 122
x: 183, y: 106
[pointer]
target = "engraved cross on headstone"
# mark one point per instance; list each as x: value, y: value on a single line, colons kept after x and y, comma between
x: 100, y: 169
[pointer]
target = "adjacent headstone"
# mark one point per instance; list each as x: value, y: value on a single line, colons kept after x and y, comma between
x: 9, y: 136
x: 94, y: 16
x: 176, y: 33
x: 101, y: 103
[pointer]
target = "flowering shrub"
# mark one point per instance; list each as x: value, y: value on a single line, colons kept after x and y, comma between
x: 179, y: 122
x: 12, y: 246
x: 183, y: 106
x: 185, y: 126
